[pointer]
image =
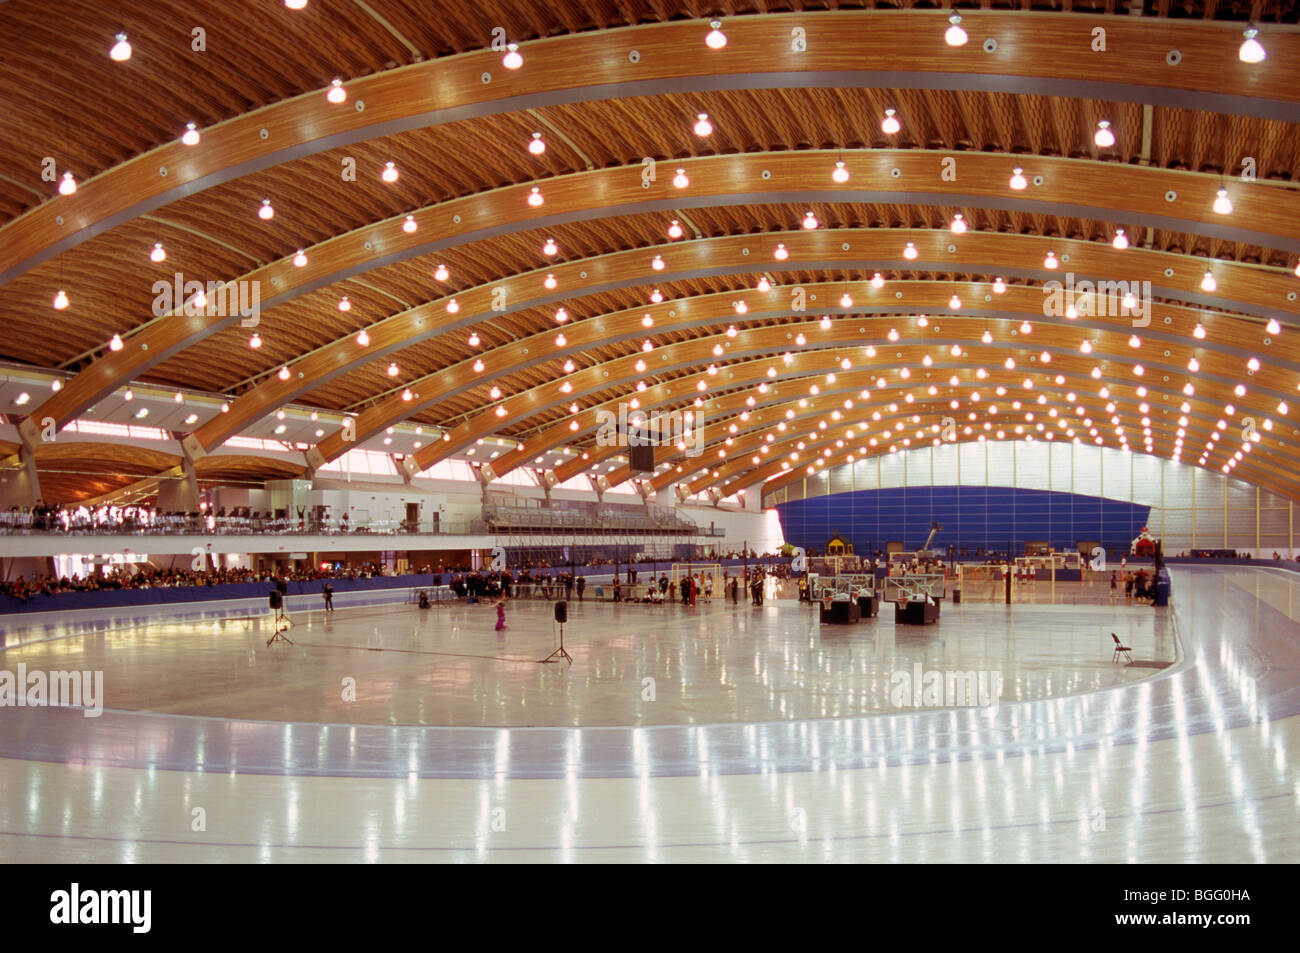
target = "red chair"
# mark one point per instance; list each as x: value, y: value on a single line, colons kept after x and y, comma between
x: 1120, y: 649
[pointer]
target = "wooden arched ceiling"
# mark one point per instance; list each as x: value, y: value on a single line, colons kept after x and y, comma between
x: 441, y: 106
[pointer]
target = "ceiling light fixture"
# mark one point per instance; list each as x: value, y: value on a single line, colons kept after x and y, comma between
x: 955, y: 35
x: 1250, y: 51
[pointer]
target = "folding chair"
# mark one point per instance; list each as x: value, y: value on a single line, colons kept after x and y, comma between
x: 1120, y: 649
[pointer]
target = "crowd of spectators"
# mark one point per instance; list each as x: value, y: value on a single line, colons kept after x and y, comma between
x: 535, y: 581
x: 104, y: 520
x: 133, y: 577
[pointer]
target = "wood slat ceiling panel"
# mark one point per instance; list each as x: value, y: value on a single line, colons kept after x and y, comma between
x: 66, y: 98
x: 110, y: 284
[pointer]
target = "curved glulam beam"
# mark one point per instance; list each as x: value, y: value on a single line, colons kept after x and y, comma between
x: 735, y: 468
x: 753, y: 371
x: 1057, y: 336
x: 1072, y: 187
x: 1020, y: 256
x: 1038, y: 54
x: 1066, y: 363
x: 760, y: 420
x: 707, y: 311
x: 1198, y: 429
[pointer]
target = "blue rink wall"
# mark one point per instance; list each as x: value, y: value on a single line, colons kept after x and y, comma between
x: 972, y: 517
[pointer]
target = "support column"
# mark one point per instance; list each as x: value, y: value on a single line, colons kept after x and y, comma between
x: 180, y: 495
x: 21, y: 486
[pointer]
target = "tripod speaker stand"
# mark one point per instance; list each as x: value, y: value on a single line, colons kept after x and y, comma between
x: 282, y: 620
x: 561, y: 616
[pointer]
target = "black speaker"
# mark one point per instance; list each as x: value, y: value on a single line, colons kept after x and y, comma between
x: 277, y: 598
x: 641, y: 459
x: 561, y: 612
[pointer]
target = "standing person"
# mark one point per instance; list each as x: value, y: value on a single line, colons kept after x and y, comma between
x: 694, y: 590
x: 501, y: 614
x: 735, y: 590
x: 618, y: 590
x: 1114, y: 588
x: 581, y: 586
x: 708, y: 588
x: 329, y: 597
